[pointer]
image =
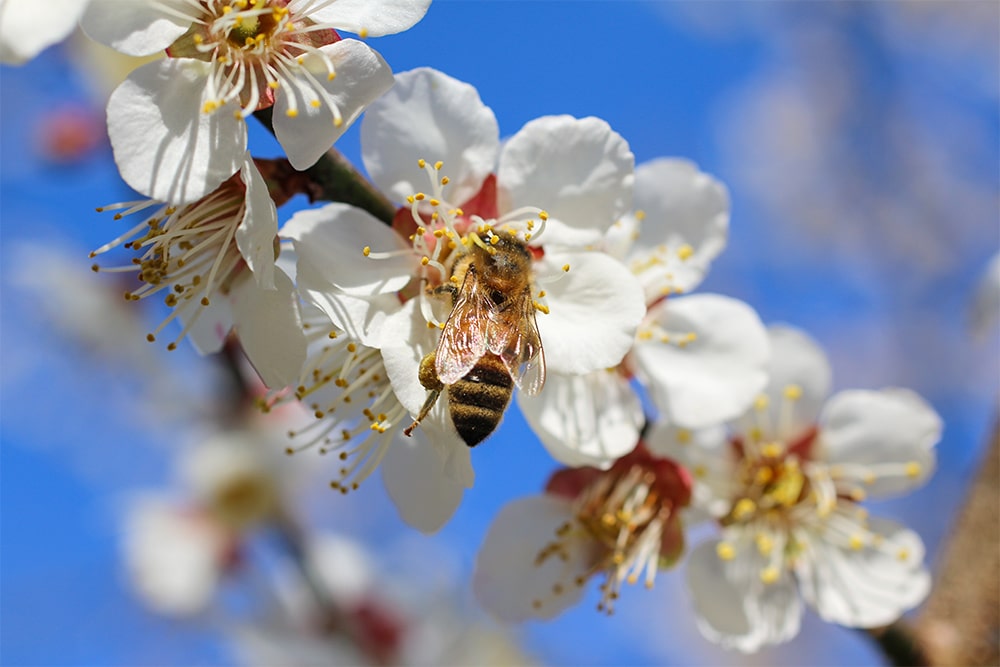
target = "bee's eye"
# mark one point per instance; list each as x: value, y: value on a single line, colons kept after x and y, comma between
x: 497, y: 296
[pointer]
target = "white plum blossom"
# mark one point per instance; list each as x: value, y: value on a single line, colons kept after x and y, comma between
x: 785, y: 483
x: 702, y: 357
x: 177, y: 125
x: 624, y: 523
x: 212, y: 262
x: 27, y: 27
x: 371, y: 280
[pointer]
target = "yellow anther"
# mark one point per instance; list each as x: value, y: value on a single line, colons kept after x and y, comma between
x: 764, y: 476
x: 645, y: 334
x: 438, y: 233
x: 913, y: 469
x: 903, y: 554
x: 445, y: 180
x: 640, y: 215
x: 725, y: 551
x: 363, y: 33
x: 315, y: 104
x: 273, y: 85
x: 292, y: 113
x: 338, y: 121
x: 351, y: 347
x: 494, y: 240
x: 743, y: 508
x: 773, y: 450
x: 858, y: 494
x: 420, y: 196
x: 425, y: 260
x: 409, y: 199
x: 421, y: 163
x: 700, y: 471
x: 764, y: 544
x: 367, y: 251
x: 543, y: 215
x: 685, y: 252
x: 761, y: 402
x: 438, y: 165
x: 683, y: 436
x: 565, y: 267
x: 541, y: 307
x: 793, y: 392
x: 770, y: 574
x: 857, y: 542
x: 435, y: 202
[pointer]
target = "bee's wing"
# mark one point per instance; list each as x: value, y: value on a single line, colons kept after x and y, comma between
x: 514, y: 337
x: 463, y: 339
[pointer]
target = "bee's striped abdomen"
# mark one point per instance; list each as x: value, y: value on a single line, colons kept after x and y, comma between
x: 479, y: 399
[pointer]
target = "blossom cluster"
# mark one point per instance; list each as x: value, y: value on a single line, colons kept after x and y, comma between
x: 546, y: 266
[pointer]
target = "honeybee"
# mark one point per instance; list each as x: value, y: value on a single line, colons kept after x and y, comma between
x: 490, y: 341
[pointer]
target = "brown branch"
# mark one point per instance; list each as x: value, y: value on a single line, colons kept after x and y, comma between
x: 961, y: 620
x: 334, y: 178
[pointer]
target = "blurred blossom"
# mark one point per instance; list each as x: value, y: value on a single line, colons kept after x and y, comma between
x: 623, y: 523
x: 175, y: 554
x: 69, y: 134
x: 785, y: 483
x: 27, y: 27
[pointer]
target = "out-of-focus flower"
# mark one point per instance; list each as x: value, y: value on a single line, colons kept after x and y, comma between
x: 702, y: 356
x: 175, y: 555
x: 212, y: 261
x: 177, y: 125
x: 986, y: 300
x: 785, y: 486
x: 27, y: 27
x: 623, y: 523
x: 69, y: 134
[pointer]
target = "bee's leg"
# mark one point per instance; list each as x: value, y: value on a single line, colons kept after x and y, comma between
x: 429, y: 379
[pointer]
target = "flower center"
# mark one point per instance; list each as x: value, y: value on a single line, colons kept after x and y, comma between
x: 190, y: 253
x: 622, y: 518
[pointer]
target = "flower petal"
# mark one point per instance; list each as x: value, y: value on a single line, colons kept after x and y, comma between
x: 270, y: 328
x: 797, y: 362
x: 361, y: 77
x: 27, y: 27
x: 868, y: 587
x: 429, y: 115
x: 594, y: 309
x: 209, y: 331
x: 258, y: 230
x: 892, y: 432
x: 685, y: 221
x: 165, y: 146
x: 578, y: 170
x: 136, y: 27
x: 740, y: 612
x: 415, y: 479
x: 332, y: 239
x: 361, y: 318
x: 509, y: 582
x: 368, y: 18
x: 713, y: 376
x: 585, y: 420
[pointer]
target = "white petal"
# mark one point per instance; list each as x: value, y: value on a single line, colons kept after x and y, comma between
x: 136, y: 27
x: 256, y: 234
x: 372, y: 18
x: 681, y: 206
x: 415, y: 478
x: 740, y: 612
x: 270, y: 328
x: 714, y: 377
x: 893, y: 431
x: 578, y: 171
x: 585, y: 420
x: 508, y: 581
x: 333, y: 238
x: 796, y: 360
x: 361, y: 318
x: 362, y: 75
x: 707, y: 454
x: 869, y: 587
x: 429, y: 115
x: 165, y: 146
x: 27, y: 27
x: 594, y: 309
x: 343, y: 565
x: 986, y: 300
x: 210, y: 330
